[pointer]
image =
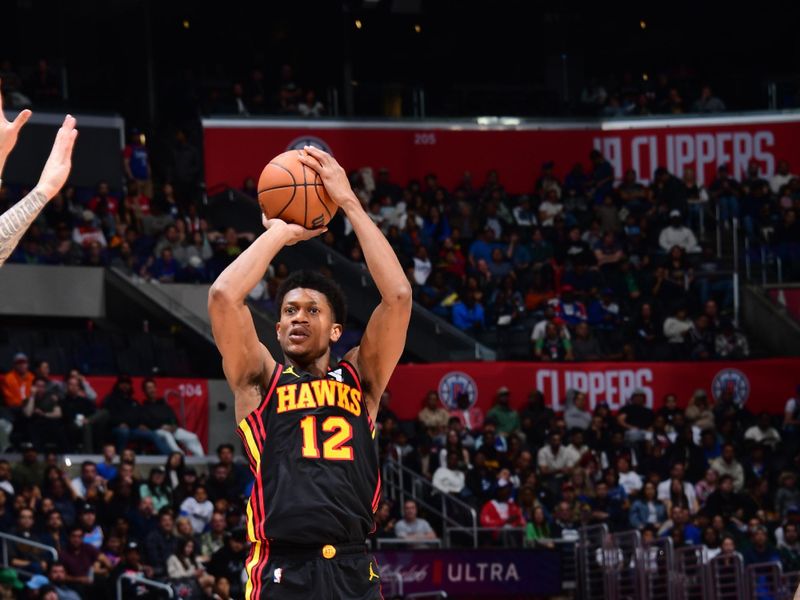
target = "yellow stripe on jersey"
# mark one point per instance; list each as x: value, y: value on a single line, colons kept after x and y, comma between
x: 251, y: 532
x: 257, y: 550
x: 251, y: 442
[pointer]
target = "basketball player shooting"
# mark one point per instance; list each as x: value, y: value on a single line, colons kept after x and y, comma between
x: 308, y: 426
x: 16, y: 220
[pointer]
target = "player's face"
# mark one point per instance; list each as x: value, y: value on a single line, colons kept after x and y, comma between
x: 306, y: 328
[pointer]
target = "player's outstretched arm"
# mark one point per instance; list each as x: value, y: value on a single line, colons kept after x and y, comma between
x: 9, y: 130
x: 16, y: 220
x: 245, y: 360
x: 385, y: 335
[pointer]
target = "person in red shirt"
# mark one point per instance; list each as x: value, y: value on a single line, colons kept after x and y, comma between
x: 502, y: 513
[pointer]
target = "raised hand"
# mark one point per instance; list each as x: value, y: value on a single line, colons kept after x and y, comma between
x: 56, y: 169
x: 332, y: 174
x: 9, y: 130
x: 296, y: 233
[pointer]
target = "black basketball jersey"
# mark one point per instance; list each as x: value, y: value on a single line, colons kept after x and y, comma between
x: 311, y: 445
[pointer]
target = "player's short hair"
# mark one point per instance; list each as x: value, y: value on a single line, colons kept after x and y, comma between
x: 315, y: 281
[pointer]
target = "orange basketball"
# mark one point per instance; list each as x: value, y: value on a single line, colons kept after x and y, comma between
x: 289, y: 190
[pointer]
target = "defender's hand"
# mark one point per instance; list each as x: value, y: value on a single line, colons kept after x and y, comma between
x: 9, y: 131
x: 332, y: 174
x: 294, y: 233
x: 56, y: 169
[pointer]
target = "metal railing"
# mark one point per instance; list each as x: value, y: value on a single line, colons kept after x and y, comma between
x: 764, y: 581
x: 690, y: 574
x: 138, y: 579
x: 383, y: 543
x: 395, y: 476
x: 508, y: 537
x: 21, y: 541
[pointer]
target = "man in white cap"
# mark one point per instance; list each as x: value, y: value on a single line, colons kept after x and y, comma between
x: 677, y: 234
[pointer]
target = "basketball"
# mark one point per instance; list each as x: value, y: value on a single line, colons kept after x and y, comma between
x: 290, y: 191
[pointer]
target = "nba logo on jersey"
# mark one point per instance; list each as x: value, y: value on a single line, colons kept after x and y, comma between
x: 276, y: 577
x: 337, y: 375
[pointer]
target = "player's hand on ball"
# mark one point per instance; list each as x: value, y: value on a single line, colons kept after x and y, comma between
x: 331, y: 172
x: 295, y: 233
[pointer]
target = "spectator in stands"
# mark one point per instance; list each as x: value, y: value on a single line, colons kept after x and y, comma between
x: 556, y: 345
x: 607, y: 509
x: 585, y: 346
x: 81, y: 414
x: 198, y: 508
x: 636, y: 418
x: 19, y: 555
x: 724, y: 501
x: 727, y: 464
x: 708, y: 102
x: 468, y: 313
x: 677, y: 474
x: 107, y: 467
x: 647, y: 510
x: 42, y: 417
x: 136, y: 162
x: 57, y: 575
x: 760, y: 550
x: 763, y: 432
x: 87, y: 231
x: 92, y: 532
x: 469, y: 415
x: 79, y: 560
x: 535, y: 419
x: 575, y: 413
x: 213, y: 539
x: 564, y: 525
x: 506, y: 418
x: 55, y: 533
x: 88, y: 479
x: 502, y: 512
x: 787, y: 495
x: 700, y: 339
x: 229, y: 561
x: 676, y: 330
x: 412, y: 527
x: 17, y: 384
x: 128, y: 420
x: 186, y: 573
x: 731, y: 343
x: 679, y: 519
x: 789, y: 548
x: 677, y: 234
x: 706, y: 486
x: 160, y: 418
x: 434, y: 417
x: 30, y: 470
x: 553, y: 458
x: 131, y: 563
x: 538, y: 531
x: 698, y: 412
x: 157, y: 489
x: 160, y: 543
x: 449, y: 478
x: 629, y: 479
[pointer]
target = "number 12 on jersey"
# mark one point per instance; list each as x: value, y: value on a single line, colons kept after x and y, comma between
x: 333, y: 448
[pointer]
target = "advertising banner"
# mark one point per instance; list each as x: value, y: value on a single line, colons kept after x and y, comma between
x: 236, y: 149
x: 474, y: 573
x: 758, y: 384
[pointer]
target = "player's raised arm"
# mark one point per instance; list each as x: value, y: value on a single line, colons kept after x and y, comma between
x: 385, y: 336
x: 246, y: 361
x: 16, y: 220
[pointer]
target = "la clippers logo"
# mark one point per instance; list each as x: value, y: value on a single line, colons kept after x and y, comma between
x: 733, y: 381
x: 455, y: 383
x: 308, y: 140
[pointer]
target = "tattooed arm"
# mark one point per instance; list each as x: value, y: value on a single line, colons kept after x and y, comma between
x: 15, y: 221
